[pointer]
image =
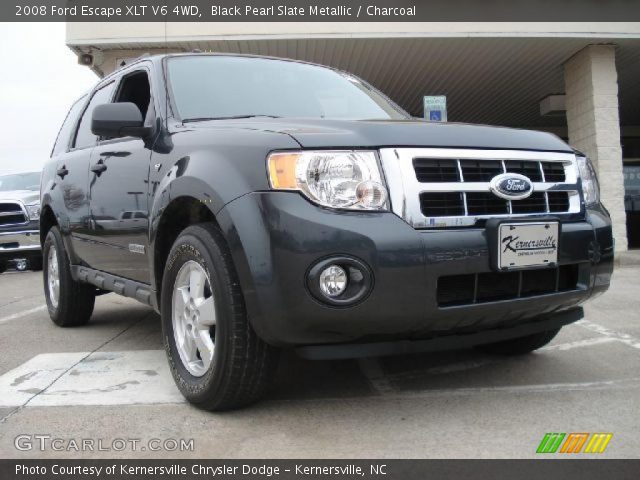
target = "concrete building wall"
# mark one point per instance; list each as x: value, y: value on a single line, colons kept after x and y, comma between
x: 594, y: 125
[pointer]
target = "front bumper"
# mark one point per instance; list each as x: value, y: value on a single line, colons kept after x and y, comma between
x: 18, y: 244
x: 276, y: 236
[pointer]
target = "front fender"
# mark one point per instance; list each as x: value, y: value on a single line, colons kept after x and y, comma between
x: 212, y: 166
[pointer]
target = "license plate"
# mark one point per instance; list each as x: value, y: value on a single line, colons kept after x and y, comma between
x: 527, y: 244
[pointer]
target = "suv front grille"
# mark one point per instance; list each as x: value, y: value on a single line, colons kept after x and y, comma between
x: 486, y: 203
x: 436, y: 187
x: 480, y: 170
x: 558, y: 201
x: 12, y: 213
x: 441, y: 204
x: 454, y: 290
x: 436, y: 170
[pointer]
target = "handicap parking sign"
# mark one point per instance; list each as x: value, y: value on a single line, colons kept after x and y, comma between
x: 435, y: 108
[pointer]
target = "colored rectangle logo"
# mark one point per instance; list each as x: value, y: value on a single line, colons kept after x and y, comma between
x: 575, y: 442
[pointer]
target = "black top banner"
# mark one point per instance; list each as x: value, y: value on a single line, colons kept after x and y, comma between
x: 320, y: 10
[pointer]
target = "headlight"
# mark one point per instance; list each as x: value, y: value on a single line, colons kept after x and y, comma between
x: 34, y: 211
x: 590, y: 187
x: 337, y: 179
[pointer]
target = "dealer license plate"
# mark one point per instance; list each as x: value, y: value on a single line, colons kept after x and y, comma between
x: 527, y: 244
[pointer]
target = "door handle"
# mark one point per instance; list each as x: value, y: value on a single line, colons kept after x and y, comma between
x: 62, y: 172
x: 98, y: 168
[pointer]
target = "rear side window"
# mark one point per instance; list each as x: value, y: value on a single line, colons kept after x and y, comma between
x: 64, y: 135
x: 84, y: 137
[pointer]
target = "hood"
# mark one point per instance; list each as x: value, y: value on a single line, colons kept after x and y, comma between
x: 320, y: 133
x: 28, y: 197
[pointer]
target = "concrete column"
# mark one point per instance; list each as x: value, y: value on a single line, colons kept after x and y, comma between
x: 591, y: 87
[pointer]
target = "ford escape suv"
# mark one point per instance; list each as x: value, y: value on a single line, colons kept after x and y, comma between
x: 282, y: 204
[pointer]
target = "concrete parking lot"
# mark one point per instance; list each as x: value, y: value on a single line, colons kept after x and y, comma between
x: 109, y: 380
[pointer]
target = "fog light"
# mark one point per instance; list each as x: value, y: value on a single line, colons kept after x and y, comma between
x: 333, y: 281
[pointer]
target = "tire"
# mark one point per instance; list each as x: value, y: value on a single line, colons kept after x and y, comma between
x: 242, y: 366
x: 75, y: 300
x: 522, y: 345
x: 3, y: 267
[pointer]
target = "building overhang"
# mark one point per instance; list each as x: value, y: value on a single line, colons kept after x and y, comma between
x: 494, y: 73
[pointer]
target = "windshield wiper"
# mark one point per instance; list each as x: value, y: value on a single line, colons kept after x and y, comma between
x: 230, y: 117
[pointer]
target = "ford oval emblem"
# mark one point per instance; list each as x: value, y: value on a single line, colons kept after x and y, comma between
x: 511, y: 186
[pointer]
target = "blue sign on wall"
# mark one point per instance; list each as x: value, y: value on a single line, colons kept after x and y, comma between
x: 435, y: 108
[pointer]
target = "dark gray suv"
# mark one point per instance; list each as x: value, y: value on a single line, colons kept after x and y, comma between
x: 262, y: 203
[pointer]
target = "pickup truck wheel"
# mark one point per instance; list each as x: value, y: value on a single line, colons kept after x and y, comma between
x: 70, y: 303
x: 216, y: 358
x: 522, y: 345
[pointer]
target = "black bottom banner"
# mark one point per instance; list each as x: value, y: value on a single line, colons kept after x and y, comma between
x: 566, y: 469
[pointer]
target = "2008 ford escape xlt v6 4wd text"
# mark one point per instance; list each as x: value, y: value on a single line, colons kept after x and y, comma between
x: 261, y: 203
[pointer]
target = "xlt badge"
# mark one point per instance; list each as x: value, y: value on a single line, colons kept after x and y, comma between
x: 511, y: 186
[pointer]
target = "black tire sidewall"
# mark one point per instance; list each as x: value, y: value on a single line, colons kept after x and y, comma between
x: 196, y: 244
x: 75, y: 299
x: 53, y: 238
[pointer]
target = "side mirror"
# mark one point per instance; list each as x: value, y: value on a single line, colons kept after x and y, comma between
x: 113, y: 120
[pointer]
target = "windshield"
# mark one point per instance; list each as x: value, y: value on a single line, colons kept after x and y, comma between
x: 206, y: 87
x: 20, y: 181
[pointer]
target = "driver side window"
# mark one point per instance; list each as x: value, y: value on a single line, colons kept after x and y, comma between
x: 135, y: 88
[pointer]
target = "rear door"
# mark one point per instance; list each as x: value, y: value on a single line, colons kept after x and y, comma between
x: 72, y: 172
x: 119, y: 185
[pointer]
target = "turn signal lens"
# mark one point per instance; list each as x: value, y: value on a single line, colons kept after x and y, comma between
x: 590, y: 187
x: 282, y: 171
x: 337, y: 179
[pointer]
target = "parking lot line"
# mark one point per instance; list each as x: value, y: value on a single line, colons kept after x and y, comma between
x: 85, y: 378
x: 21, y: 384
x: 625, y: 338
x: 24, y: 313
x: 589, y: 342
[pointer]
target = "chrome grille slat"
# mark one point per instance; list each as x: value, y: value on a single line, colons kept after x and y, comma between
x: 406, y: 190
x: 12, y: 213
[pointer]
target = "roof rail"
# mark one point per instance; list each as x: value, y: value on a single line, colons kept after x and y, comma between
x: 124, y: 64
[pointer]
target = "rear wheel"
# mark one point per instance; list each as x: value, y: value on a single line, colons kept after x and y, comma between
x: 70, y: 303
x: 216, y: 358
x: 522, y: 345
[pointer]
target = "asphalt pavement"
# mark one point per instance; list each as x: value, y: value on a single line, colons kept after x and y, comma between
x: 108, y: 383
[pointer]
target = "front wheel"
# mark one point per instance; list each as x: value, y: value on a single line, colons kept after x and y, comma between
x: 522, y: 345
x: 215, y: 357
x: 70, y: 303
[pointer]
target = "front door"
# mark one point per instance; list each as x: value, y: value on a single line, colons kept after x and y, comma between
x: 119, y: 187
